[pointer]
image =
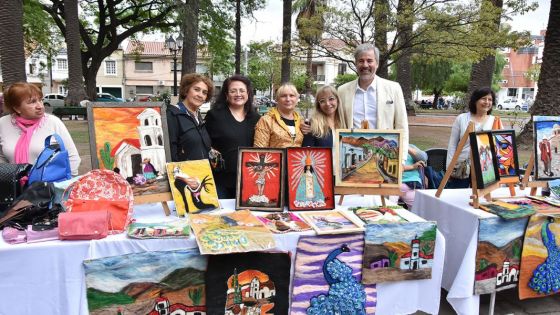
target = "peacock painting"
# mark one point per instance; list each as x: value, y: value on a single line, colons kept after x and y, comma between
x: 327, y: 277
x: 546, y: 278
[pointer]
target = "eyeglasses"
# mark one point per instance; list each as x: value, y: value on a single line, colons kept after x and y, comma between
x: 240, y: 91
x: 324, y: 101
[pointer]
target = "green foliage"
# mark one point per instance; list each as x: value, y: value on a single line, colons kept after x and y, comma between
x: 482, y: 264
x: 426, y: 248
x: 39, y: 30
x: 344, y: 78
x: 534, y: 72
x: 393, y: 256
x: 428, y: 235
x: 106, y: 158
x: 263, y: 65
x: 458, y: 80
x: 196, y: 295
x: 98, y: 299
x: 215, y: 25
x: 516, y: 249
x: 430, y: 74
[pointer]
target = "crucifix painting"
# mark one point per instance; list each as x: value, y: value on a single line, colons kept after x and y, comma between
x: 260, y: 179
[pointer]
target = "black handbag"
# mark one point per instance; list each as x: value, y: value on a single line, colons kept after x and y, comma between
x: 10, y: 186
x: 34, y: 202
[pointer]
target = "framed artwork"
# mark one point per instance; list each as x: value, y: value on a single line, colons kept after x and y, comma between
x: 484, y: 158
x: 131, y: 139
x: 554, y: 186
x: 368, y: 158
x: 506, y: 210
x: 192, y: 185
x: 168, y: 229
x: 248, y: 283
x: 506, y: 153
x: 260, y: 179
x: 310, y: 178
x: 378, y: 214
x: 498, y: 254
x: 546, y: 141
x: 147, y: 283
x: 284, y: 222
x: 327, y: 276
x: 332, y: 222
x: 398, y: 251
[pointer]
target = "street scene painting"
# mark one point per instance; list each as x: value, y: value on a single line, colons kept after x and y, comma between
x: 398, y: 251
x: 332, y: 222
x: 546, y: 141
x: 260, y: 179
x: 131, y: 139
x: 378, y: 214
x: 506, y: 153
x: 539, y: 260
x: 310, y: 178
x: 152, y: 283
x: 249, y: 283
x: 327, y: 276
x: 368, y: 158
x: 484, y: 158
x: 193, y: 187
x: 284, y: 222
x: 498, y: 254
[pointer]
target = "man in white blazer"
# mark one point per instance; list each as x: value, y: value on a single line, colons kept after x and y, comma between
x: 370, y: 101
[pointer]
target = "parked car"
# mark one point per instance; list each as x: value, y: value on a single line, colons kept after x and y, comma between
x: 54, y: 100
x: 510, y: 104
x: 145, y: 98
x: 106, y: 97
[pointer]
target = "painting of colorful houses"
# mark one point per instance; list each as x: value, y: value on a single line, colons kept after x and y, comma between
x: 368, y: 158
x: 546, y: 141
x: 498, y: 254
x: 398, y: 251
x: 154, y: 283
x: 131, y: 140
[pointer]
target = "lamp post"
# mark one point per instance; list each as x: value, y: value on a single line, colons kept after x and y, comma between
x: 174, y: 45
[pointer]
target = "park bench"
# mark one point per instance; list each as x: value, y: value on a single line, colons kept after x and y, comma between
x: 71, y: 111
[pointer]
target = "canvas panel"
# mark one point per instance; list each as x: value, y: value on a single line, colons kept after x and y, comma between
x: 179, y: 228
x: 327, y: 276
x: 310, y: 178
x: 484, y: 159
x: 539, y: 260
x: 546, y: 141
x: 260, y: 179
x: 332, y: 222
x: 234, y: 232
x: 508, y: 210
x: 378, y: 214
x: 284, y: 222
x: 250, y: 283
x: 201, y: 196
x: 398, y: 251
x: 368, y: 158
x: 132, y: 140
x: 506, y: 153
x: 498, y: 254
x: 147, y: 283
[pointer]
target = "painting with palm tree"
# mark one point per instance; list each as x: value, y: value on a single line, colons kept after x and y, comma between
x: 368, y: 158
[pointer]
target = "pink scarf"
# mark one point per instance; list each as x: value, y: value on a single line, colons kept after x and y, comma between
x: 27, y: 127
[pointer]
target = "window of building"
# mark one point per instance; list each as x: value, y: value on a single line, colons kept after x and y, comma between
x: 512, y: 92
x: 143, y: 66
x: 144, y: 89
x: 32, y: 68
x: 110, y: 67
x: 62, y: 64
x: 61, y: 90
x: 341, y: 68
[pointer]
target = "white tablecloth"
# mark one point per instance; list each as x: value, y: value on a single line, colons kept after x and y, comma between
x: 458, y: 221
x: 48, y: 278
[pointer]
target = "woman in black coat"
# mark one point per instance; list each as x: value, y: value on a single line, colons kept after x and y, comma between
x: 231, y: 124
x: 188, y: 137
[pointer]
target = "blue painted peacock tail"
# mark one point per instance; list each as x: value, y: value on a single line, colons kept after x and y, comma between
x: 346, y: 295
x: 546, y: 277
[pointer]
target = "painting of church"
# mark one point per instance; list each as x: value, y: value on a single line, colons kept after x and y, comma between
x: 415, y: 259
x: 508, y: 275
x: 248, y: 297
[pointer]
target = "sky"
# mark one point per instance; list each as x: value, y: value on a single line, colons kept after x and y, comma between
x: 268, y: 22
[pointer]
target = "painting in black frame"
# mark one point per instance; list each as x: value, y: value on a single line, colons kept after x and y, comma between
x: 484, y: 159
x: 506, y: 152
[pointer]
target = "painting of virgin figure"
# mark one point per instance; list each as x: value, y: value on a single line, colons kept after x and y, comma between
x: 484, y: 158
x: 310, y: 179
x: 546, y: 141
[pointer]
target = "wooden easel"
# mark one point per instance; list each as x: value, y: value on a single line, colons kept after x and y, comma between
x: 533, y: 184
x: 155, y: 198
x: 476, y: 193
x: 382, y: 192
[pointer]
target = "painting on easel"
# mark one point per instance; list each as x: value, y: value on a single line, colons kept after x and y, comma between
x: 484, y: 158
x: 368, y: 158
x: 546, y: 141
x: 506, y: 152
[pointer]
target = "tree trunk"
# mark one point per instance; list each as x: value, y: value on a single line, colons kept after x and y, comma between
x: 381, y: 14
x: 90, y: 75
x: 404, y: 67
x: 546, y: 102
x: 76, y: 91
x: 12, y: 54
x: 190, y: 35
x: 309, y: 71
x: 237, y: 36
x: 286, y: 40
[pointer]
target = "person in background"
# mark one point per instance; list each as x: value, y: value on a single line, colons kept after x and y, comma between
x: 280, y: 127
x: 23, y: 131
x: 413, y: 175
x: 371, y: 102
x: 480, y: 107
x: 231, y: 124
x: 188, y: 137
x: 327, y: 117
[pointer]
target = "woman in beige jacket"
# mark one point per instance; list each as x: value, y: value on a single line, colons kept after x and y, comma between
x: 279, y: 128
